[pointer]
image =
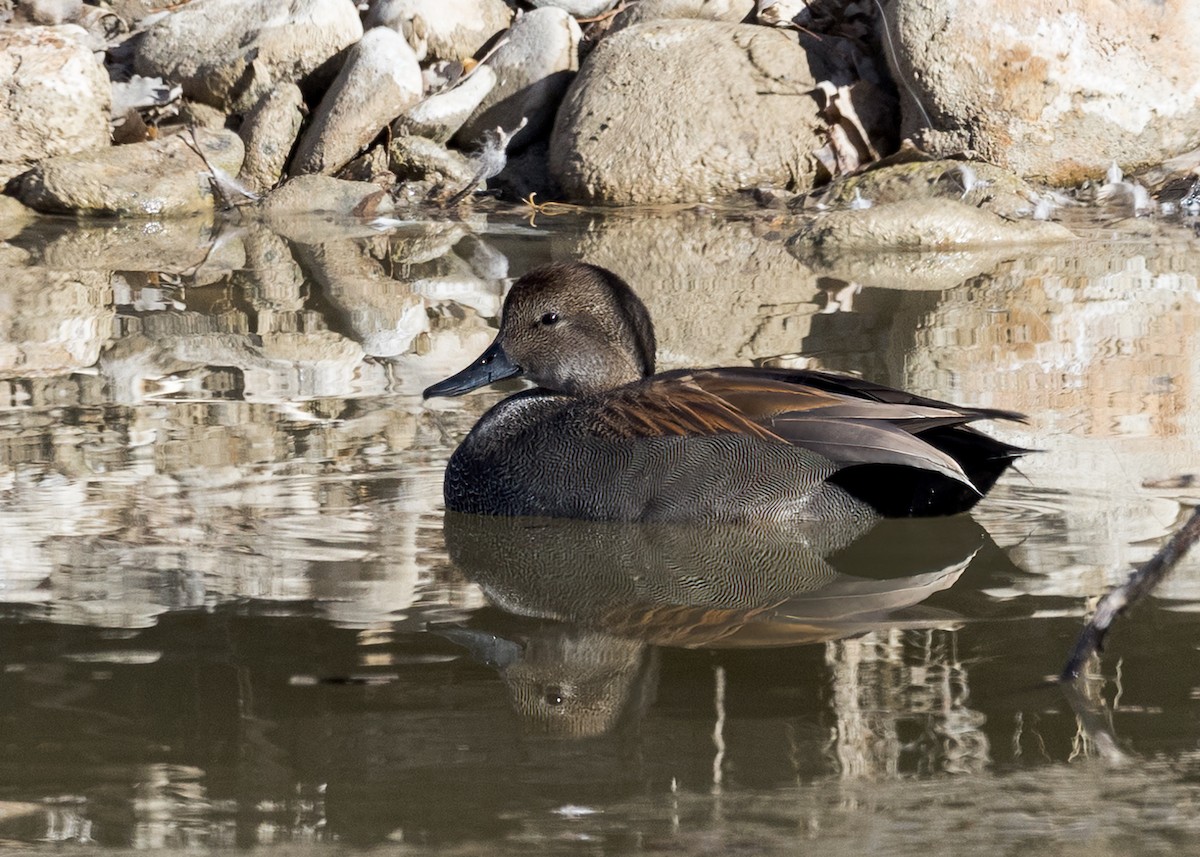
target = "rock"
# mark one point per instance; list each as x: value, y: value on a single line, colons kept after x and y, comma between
x: 578, y: 8
x: 440, y: 116
x: 158, y: 178
x: 268, y: 133
x: 977, y: 184
x: 200, y: 115
x: 379, y: 81
x: 533, y: 69
x: 13, y: 217
x: 641, y: 125
x: 450, y: 29
x: 229, y: 53
x: 54, y: 96
x: 1051, y: 90
x: 314, y: 209
x: 103, y: 25
x: 730, y: 11
x: 418, y: 158
x: 134, y: 11
x: 324, y: 193
x: 51, y: 12
x: 923, y: 224
x: 370, y: 166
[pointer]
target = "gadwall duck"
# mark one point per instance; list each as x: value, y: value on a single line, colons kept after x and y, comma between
x: 602, y: 437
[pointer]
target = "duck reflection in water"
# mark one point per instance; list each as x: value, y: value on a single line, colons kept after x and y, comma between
x: 603, y: 437
x: 582, y: 607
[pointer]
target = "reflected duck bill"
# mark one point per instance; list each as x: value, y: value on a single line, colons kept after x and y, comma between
x: 492, y: 365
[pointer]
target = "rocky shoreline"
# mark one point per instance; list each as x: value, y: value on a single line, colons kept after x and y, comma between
x: 124, y: 109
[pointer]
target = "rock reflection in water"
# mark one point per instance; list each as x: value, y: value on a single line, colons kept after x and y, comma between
x: 612, y: 593
x: 221, y: 547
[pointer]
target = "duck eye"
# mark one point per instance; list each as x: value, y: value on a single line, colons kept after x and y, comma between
x: 550, y: 318
x: 554, y: 696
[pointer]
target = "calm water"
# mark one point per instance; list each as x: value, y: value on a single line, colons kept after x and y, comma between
x: 233, y: 614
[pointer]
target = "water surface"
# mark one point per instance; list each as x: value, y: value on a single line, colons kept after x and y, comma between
x: 233, y: 614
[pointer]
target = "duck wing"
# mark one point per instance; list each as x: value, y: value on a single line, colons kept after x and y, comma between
x: 846, y: 420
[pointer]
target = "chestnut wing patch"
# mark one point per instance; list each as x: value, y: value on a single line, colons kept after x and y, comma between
x: 674, y: 405
x: 842, y: 426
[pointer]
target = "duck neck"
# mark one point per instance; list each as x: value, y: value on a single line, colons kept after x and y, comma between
x: 601, y: 376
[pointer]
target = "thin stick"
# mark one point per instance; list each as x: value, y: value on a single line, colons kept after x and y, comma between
x: 1121, y: 598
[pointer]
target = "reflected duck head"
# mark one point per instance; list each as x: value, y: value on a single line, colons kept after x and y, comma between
x: 568, y: 327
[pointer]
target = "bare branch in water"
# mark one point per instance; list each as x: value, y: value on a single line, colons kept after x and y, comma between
x: 1121, y: 598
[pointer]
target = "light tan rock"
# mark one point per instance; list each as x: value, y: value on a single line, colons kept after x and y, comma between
x: 379, y: 81
x: 157, y: 178
x: 1051, y: 90
x: 13, y: 217
x: 974, y: 183
x: 440, y: 116
x: 419, y: 158
x: 52, y: 12
x: 578, y: 8
x: 54, y: 96
x: 449, y: 29
x: 680, y: 111
x: 229, y: 53
x: 730, y: 11
x: 268, y: 133
x: 317, y: 209
x: 327, y: 194
x: 533, y: 68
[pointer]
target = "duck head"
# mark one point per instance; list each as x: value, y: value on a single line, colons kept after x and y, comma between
x: 570, y: 327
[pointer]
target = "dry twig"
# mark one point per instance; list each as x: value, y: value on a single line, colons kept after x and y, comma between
x: 1121, y: 598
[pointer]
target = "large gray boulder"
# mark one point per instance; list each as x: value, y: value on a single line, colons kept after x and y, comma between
x: 380, y: 80
x: 54, y: 96
x: 533, y: 68
x: 229, y: 53
x: 679, y: 111
x: 159, y: 178
x: 1054, y: 90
